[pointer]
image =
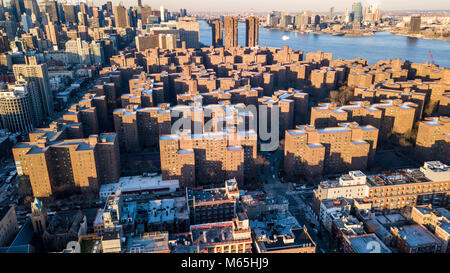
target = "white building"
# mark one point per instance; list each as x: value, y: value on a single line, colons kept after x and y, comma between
x: 351, y: 185
x: 140, y: 184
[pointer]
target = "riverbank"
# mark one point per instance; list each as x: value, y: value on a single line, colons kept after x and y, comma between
x: 382, y: 46
x: 420, y: 36
x: 331, y: 33
x: 347, y: 34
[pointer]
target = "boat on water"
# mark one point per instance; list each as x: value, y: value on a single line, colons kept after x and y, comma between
x: 285, y: 37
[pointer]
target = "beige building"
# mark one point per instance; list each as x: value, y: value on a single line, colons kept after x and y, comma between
x: 217, y: 33
x: 67, y: 165
x: 121, y: 16
x: 389, y: 116
x: 433, y: 139
x: 252, y: 31
x: 37, y: 74
x: 163, y: 41
x: 231, y: 32
x: 189, y: 31
x: 218, y: 146
x: 313, y: 152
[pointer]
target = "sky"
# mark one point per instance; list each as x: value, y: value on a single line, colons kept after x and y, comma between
x: 285, y: 5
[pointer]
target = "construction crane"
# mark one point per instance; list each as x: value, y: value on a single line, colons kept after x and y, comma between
x: 431, y: 56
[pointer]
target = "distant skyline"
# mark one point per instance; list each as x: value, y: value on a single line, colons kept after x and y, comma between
x: 284, y: 5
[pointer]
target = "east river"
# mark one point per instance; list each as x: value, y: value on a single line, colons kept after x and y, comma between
x: 382, y: 46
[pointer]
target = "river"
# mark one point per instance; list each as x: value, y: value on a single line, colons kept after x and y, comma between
x: 382, y: 46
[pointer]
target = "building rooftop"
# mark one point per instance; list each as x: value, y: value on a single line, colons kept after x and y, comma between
x: 417, y: 236
x: 368, y: 243
x: 298, y: 238
x: 218, y: 232
x: 167, y: 210
x: 146, y: 182
x: 229, y: 193
x: 154, y: 242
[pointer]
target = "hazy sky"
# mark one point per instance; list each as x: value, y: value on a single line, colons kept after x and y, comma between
x: 286, y: 5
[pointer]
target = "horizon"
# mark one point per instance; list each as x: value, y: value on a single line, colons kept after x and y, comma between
x: 286, y: 5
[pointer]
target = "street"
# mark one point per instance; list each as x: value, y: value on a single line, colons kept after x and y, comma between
x: 298, y: 207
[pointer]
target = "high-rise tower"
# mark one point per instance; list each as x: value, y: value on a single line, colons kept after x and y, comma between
x: 231, y: 32
x: 252, y: 31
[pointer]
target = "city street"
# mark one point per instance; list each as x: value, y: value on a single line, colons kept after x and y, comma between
x: 301, y: 210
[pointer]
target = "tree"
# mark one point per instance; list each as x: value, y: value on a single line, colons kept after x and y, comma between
x: 341, y: 96
x: 431, y: 106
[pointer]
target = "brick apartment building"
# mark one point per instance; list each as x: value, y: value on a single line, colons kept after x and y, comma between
x: 433, y: 139
x: 389, y: 116
x: 292, y: 105
x: 314, y: 152
x: 54, y: 165
x: 219, y: 145
x: 200, y: 159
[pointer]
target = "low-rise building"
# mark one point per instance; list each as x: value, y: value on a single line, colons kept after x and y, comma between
x: 146, y: 183
x: 415, y: 239
x: 153, y: 242
x: 366, y: 243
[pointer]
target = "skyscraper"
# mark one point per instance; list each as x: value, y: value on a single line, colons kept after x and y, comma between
x: 217, y: 33
x: 189, y: 31
x: 252, y: 31
x: 52, y: 33
x: 16, y: 109
x: 146, y: 11
x: 301, y: 20
x: 38, y: 75
x: 372, y: 14
x: 26, y: 22
x: 163, y: 14
x: 109, y: 6
x: 121, y: 16
x: 31, y: 7
x: 414, y: 24
x: 19, y: 7
x: 69, y: 13
x: 52, y: 11
x: 231, y: 32
x: 357, y: 12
